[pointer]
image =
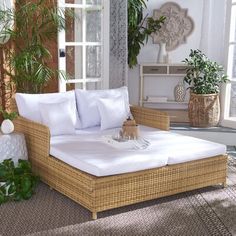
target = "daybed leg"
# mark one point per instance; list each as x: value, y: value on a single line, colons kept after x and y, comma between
x: 224, y: 185
x: 94, y: 215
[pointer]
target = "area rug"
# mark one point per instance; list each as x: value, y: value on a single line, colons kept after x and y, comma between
x: 209, y: 211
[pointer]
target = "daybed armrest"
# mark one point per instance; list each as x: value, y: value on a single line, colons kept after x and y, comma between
x: 37, y: 138
x: 151, y: 117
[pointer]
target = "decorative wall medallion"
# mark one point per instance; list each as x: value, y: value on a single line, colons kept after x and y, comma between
x: 177, y: 27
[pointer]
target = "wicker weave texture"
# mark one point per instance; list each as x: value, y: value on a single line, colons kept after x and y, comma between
x: 102, y: 193
x: 150, y: 117
x: 204, y: 110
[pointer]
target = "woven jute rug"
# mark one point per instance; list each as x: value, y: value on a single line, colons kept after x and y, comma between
x: 209, y: 211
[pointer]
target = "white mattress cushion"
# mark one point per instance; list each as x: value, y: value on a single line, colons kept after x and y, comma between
x: 88, y: 152
x: 180, y: 148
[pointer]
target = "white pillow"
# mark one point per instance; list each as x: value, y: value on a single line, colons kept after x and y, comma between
x: 58, y: 117
x: 28, y: 104
x: 112, y: 111
x: 87, y: 104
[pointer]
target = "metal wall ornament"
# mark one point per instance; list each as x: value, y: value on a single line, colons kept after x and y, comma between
x: 177, y: 27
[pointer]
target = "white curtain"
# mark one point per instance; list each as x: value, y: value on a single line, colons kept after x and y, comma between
x: 213, y: 27
x: 118, y: 44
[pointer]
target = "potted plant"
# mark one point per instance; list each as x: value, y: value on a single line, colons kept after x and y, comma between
x: 139, y: 28
x: 204, y: 78
x: 16, y: 182
x: 36, y: 25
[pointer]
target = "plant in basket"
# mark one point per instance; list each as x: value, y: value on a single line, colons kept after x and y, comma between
x: 204, y: 78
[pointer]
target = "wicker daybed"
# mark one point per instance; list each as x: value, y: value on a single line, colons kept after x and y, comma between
x: 101, y: 193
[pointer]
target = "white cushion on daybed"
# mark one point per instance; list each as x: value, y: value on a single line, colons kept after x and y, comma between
x: 87, y: 151
x: 87, y: 104
x: 58, y: 117
x: 28, y: 104
x: 112, y: 112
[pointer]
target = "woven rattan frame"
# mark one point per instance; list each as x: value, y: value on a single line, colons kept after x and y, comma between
x: 101, y: 193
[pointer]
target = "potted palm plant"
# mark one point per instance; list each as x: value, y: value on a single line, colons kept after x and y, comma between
x: 36, y: 25
x: 204, y: 78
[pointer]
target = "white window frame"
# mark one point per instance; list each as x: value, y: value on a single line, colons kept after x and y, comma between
x: 228, y: 121
x: 83, y: 82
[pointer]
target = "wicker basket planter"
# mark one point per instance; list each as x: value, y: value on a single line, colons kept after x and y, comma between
x: 204, y: 110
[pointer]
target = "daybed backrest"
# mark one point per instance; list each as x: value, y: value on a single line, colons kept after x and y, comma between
x: 151, y: 117
x: 107, y: 108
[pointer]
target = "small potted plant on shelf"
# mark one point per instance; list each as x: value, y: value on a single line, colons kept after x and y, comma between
x: 204, y: 78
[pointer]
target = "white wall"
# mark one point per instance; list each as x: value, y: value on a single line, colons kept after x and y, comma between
x: 208, y: 36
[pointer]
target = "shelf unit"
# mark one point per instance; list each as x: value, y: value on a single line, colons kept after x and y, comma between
x: 163, y: 70
x: 167, y: 102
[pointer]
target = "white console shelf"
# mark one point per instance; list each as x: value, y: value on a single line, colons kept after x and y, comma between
x: 178, y: 111
x: 167, y: 102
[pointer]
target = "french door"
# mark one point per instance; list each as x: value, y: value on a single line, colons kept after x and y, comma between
x: 229, y: 91
x: 84, y: 44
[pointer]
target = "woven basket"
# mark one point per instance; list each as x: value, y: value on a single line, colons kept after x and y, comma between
x: 204, y: 110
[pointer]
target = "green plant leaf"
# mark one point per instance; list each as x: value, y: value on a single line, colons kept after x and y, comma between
x: 3, y: 173
x: 139, y: 28
x: 27, y: 195
x: 25, y: 184
x: 204, y: 76
x: 24, y: 165
x: 2, y: 198
x: 19, y: 180
x: 12, y: 189
x: 36, y: 23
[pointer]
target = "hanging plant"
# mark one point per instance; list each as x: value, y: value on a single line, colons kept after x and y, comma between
x: 139, y: 28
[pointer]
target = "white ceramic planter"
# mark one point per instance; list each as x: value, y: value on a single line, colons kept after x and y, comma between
x: 7, y: 126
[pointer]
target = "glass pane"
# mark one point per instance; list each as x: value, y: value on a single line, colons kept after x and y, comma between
x: 74, y: 1
x: 74, y: 30
x: 74, y: 62
x: 94, y: 2
x: 78, y: 86
x: 93, y: 62
x: 233, y: 24
x: 233, y: 100
x: 93, y: 19
x: 93, y: 85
